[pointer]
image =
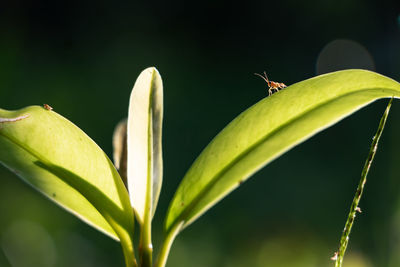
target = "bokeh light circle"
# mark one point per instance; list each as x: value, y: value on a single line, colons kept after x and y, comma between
x: 343, y: 54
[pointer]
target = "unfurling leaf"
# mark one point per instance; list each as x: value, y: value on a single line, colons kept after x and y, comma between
x: 144, y: 143
x: 120, y: 149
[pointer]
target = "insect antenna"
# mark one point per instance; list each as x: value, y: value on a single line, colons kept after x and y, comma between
x: 264, y: 78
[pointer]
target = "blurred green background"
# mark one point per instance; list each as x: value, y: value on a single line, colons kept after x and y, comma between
x: 83, y: 57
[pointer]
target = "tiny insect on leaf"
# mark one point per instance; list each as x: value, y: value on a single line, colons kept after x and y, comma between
x: 48, y: 107
x: 271, y: 85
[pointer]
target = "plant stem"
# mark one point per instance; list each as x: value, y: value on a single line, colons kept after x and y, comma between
x: 145, y: 245
x: 344, y: 240
x: 129, y: 260
x: 166, y: 246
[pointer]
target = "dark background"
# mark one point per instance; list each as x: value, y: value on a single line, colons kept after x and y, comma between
x: 83, y: 58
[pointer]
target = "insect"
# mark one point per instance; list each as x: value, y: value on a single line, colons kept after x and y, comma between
x: 271, y: 85
x: 48, y: 107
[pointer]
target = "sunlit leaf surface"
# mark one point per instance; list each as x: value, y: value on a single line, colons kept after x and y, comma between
x: 267, y: 130
x: 59, y: 160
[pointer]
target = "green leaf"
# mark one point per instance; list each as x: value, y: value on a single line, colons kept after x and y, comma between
x: 144, y: 143
x: 267, y: 130
x: 59, y: 160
